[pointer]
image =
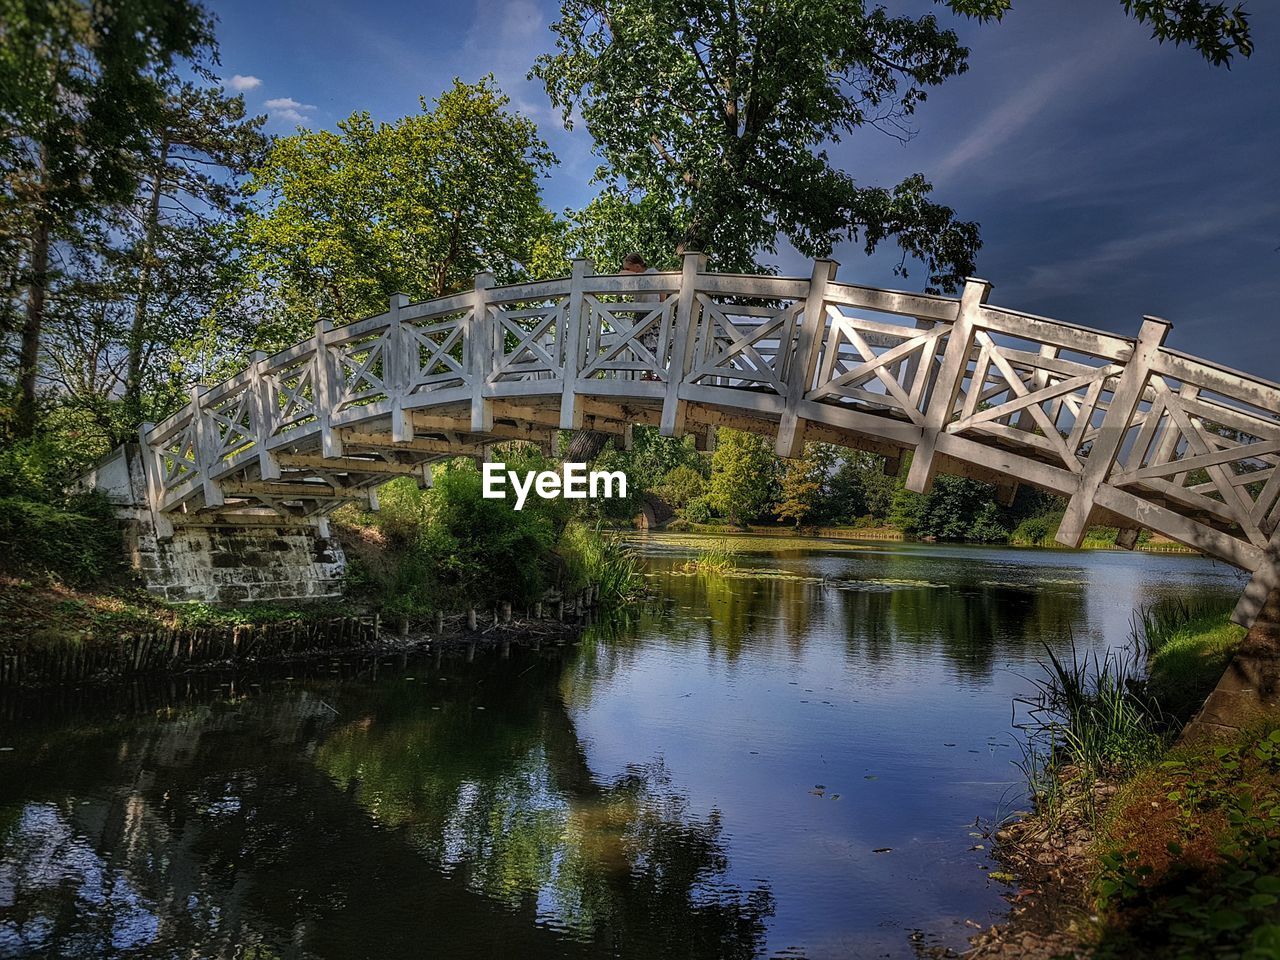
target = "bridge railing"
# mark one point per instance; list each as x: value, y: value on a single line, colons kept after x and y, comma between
x: 1117, y: 423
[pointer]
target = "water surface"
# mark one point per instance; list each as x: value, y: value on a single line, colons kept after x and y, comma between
x: 788, y: 760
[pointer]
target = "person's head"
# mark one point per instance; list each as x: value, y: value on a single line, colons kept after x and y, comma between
x: 634, y: 263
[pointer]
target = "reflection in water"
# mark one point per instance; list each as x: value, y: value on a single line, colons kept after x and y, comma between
x: 712, y: 776
x: 459, y: 802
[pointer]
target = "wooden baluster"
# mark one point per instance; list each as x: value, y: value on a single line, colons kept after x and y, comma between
x: 399, y: 367
x: 326, y: 391
x: 575, y: 345
x: 480, y: 352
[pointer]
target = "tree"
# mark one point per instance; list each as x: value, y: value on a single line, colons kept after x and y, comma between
x: 805, y: 483
x: 681, y: 485
x: 417, y: 206
x: 1217, y: 30
x: 607, y: 229
x: 201, y: 149
x: 742, y: 475
x: 722, y: 112
x: 81, y: 82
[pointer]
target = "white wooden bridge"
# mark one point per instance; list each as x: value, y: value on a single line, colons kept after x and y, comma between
x: 1134, y: 433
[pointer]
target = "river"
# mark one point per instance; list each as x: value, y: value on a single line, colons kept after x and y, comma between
x: 793, y: 759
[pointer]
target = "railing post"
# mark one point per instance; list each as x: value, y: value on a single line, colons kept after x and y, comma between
x: 479, y: 336
x: 263, y: 407
x: 575, y: 345
x: 1115, y: 423
x: 398, y: 361
x: 683, y: 342
x: 154, y: 478
x: 327, y: 392
x: 942, y: 399
x: 206, y: 442
x: 804, y: 362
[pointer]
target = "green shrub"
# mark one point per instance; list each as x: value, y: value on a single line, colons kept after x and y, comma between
x: 79, y: 542
x: 699, y: 510
x: 682, y: 485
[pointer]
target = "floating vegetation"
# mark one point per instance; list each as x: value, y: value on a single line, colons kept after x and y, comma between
x: 717, y: 558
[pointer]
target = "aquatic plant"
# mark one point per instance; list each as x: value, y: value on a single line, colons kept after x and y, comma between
x: 716, y: 558
x: 603, y: 560
x: 1089, y: 715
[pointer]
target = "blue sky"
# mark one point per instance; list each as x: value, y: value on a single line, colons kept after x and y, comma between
x: 1113, y: 177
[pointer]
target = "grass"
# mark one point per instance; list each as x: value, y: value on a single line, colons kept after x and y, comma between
x: 1088, y: 716
x: 716, y: 558
x: 1185, y: 860
x: 593, y: 557
x: 1188, y: 647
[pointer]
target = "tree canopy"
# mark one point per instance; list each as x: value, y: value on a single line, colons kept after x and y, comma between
x: 419, y: 206
x: 723, y: 114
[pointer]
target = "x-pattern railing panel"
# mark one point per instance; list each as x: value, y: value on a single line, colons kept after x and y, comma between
x: 745, y: 344
x: 1034, y: 398
x: 529, y: 340
x: 293, y: 394
x: 627, y: 338
x: 438, y: 354
x: 1213, y: 453
x: 876, y: 366
x: 234, y: 424
x: 362, y: 368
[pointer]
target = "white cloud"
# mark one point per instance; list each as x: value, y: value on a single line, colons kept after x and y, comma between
x: 289, y: 109
x: 1074, y: 79
x: 241, y: 83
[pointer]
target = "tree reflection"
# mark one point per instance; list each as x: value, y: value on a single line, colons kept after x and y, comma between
x: 357, y: 821
x: 518, y: 817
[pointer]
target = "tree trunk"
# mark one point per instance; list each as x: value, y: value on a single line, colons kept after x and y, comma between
x: 585, y: 445
x: 29, y: 356
x: 138, y: 328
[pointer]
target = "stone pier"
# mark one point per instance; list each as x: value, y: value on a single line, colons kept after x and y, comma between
x: 268, y: 558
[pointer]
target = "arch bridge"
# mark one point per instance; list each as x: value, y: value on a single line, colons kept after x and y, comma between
x: 1133, y: 433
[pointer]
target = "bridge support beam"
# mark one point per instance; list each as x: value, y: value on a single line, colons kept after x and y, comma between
x: 804, y: 363
x: 1265, y: 581
x: 1125, y: 400
x: 942, y: 402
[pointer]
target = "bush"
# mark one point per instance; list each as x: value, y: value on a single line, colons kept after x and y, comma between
x: 1037, y: 530
x: 79, y: 542
x: 699, y: 510
x: 682, y: 485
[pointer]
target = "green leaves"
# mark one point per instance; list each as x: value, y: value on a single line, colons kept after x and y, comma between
x: 1217, y: 30
x: 725, y: 115
x: 418, y: 206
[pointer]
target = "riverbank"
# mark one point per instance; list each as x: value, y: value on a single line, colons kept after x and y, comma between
x: 59, y: 634
x: 1140, y: 845
x: 1096, y: 540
